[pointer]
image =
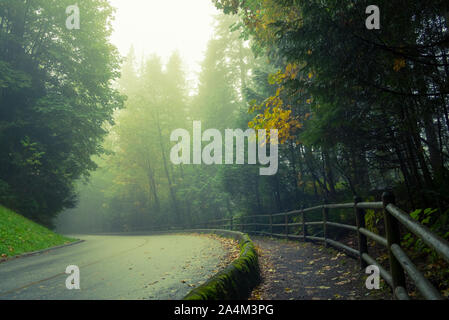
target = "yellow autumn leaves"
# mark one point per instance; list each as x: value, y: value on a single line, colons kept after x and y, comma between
x: 399, y: 64
x: 274, y: 113
x: 275, y: 116
x: 291, y: 73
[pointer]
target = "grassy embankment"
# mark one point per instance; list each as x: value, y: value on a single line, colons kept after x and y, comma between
x: 19, y: 235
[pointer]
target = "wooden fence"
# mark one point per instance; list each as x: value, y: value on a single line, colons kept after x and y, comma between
x: 399, y: 262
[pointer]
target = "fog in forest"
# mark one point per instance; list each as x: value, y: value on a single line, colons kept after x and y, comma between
x: 228, y: 72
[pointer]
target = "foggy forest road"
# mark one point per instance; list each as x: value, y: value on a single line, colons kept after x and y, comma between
x: 115, y: 267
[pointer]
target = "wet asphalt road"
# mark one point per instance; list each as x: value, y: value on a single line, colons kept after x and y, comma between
x: 115, y: 267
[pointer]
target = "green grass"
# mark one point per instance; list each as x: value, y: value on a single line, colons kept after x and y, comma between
x: 19, y: 235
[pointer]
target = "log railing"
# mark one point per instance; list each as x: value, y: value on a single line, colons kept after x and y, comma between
x: 399, y: 262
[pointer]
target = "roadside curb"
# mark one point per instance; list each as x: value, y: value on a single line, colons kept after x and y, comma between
x: 28, y: 254
x: 237, y: 280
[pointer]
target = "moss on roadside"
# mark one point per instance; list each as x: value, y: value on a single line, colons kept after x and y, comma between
x: 234, y: 282
x: 18, y: 235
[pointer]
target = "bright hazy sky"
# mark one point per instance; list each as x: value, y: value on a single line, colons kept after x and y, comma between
x: 163, y: 26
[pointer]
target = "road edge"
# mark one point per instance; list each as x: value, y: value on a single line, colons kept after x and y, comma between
x: 33, y: 253
x: 238, y: 279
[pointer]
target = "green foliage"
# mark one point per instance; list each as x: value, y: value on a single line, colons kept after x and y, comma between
x: 435, y: 267
x: 428, y: 218
x: 55, y: 96
x: 374, y: 219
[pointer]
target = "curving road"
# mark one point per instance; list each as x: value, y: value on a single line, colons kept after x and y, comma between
x: 163, y: 267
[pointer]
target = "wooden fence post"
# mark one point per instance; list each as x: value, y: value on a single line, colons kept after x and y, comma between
x: 393, y: 237
x: 231, y: 220
x: 304, y: 226
x: 325, y: 217
x: 271, y: 225
x: 360, y: 220
x: 286, y: 226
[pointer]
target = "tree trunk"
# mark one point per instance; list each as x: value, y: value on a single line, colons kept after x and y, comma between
x: 167, y: 174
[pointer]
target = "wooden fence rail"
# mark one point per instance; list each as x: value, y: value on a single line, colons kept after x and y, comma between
x: 399, y: 262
